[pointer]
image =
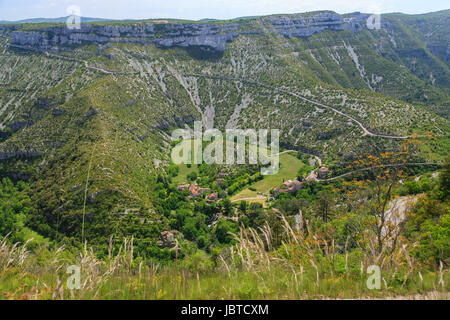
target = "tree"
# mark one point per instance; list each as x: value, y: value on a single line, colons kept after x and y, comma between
x: 324, y: 204
x: 14, y: 207
x: 434, y: 241
x: 227, y: 207
x: 224, y: 229
x: 192, y: 176
x: 193, y: 228
x: 292, y: 207
x: 374, y: 194
x: 274, y: 218
x: 243, y: 206
x: 445, y: 180
x: 303, y: 172
x: 173, y: 170
x: 255, y: 214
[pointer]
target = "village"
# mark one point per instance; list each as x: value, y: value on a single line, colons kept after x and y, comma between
x: 289, y: 186
x: 197, y: 192
x: 194, y: 191
x: 292, y: 186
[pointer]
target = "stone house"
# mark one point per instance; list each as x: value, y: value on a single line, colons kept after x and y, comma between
x: 212, y: 197
x: 323, y: 172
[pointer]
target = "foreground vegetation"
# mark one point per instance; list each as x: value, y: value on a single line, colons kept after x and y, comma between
x: 297, y: 270
x: 324, y: 251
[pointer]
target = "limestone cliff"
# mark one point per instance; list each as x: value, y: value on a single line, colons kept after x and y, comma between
x: 210, y: 35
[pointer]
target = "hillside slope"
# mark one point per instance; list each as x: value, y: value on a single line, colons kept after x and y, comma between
x: 87, y: 115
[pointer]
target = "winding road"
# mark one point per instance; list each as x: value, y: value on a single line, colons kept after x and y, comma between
x: 346, y: 174
x: 366, y: 132
x: 249, y: 199
x: 380, y: 166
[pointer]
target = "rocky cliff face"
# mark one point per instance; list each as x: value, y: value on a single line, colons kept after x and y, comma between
x: 299, y: 26
x: 213, y: 36
x: 167, y: 35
